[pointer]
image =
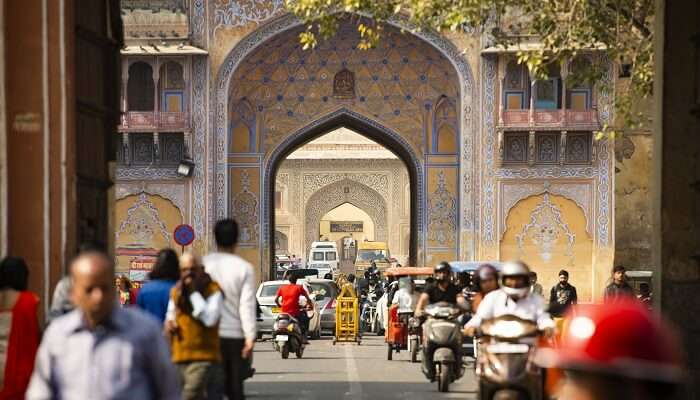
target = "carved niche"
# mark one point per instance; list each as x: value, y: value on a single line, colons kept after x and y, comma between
x: 344, y: 84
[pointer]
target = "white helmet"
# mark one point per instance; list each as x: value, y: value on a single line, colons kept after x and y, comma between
x: 515, y: 269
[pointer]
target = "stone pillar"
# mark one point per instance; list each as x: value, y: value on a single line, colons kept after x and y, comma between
x: 676, y: 176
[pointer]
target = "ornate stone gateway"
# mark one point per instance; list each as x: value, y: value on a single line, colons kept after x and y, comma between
x: 405, y: 94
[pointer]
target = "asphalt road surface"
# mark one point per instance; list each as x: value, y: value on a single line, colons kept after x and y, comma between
x: 346, y: 371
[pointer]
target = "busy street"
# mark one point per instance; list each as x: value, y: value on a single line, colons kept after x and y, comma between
x: 346, y: 371
x: 349, y: 200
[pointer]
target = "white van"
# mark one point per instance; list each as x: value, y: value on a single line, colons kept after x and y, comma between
x: 324, y: 257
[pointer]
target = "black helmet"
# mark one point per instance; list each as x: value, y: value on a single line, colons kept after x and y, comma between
x: 442, y: 267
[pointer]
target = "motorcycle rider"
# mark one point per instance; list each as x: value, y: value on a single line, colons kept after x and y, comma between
x: 370, y: 290
x: 616, y: 351
x: 513, y: 298
x: 485, y: 282
x: 290, y: 295
x: 442, y: 290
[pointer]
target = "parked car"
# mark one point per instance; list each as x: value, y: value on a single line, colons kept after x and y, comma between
x: 266, y: 298
x: 325, y: 291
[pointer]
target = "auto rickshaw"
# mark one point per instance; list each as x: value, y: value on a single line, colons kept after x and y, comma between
x: 402, y: 333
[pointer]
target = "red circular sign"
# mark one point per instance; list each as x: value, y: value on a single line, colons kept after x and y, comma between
x: 184, y: 234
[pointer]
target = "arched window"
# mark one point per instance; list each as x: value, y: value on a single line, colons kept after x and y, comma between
x: 172, y: 87
x: 578, y: 91
x: 242, y: 136
x: 140, y: 87
x: 548, y: 91
x: 515, y: 85
x: 445, y: 127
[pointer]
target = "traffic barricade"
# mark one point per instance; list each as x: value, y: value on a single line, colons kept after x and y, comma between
x: 346, y: 320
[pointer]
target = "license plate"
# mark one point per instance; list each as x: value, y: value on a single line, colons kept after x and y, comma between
x: 275, y: 310
x: 281, y: 338
x: 508, y: 348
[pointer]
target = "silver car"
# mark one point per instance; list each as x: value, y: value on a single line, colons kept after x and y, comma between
x: 325, y: 291
x: 266, y: 298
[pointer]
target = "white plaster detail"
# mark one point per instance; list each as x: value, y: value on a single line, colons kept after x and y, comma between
x: 545, y: 229
x: 141, y: 219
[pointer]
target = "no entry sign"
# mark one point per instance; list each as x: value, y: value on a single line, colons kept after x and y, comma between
x: 184, y: 235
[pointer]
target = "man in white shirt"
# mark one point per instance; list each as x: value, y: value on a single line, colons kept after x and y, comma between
x: 236, y: 277
x: 513, y: 298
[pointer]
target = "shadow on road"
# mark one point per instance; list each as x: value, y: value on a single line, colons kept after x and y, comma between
x: 339, y: 390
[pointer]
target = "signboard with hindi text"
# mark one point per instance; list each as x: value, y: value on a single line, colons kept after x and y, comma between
x: 347, y: 226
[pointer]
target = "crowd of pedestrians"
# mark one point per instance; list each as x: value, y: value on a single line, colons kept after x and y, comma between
x: 190, y: 330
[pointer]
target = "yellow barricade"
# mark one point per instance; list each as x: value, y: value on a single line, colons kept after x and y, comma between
x: 346, y: 320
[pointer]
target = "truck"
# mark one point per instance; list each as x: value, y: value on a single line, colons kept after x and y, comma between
x: 367, y: 252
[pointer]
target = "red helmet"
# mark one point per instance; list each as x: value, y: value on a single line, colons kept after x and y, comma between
x: 621, y: 339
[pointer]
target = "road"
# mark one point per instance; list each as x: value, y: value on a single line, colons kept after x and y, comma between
x: 346, y: 371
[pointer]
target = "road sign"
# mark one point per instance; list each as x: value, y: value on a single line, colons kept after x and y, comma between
x: 184, y: 234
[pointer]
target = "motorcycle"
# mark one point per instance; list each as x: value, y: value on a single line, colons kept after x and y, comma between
x: 287, y: 336
x: 368, y: 316
x: 505, y: 365
x: 442, y: 343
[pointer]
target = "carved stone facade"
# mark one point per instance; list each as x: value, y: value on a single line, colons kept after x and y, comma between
x: 308, y: 189
x: 435, y: 101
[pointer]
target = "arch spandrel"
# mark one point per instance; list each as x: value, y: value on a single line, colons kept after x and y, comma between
x: 396, y: 86
x: 393, y: 83
x: 336, y: 194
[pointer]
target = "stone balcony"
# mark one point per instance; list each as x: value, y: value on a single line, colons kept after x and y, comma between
x: 154, y: 121
x: 549, y: 119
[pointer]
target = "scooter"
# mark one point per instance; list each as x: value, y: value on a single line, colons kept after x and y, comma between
x: 368, y: 316
x: 287, y: 336
x: 442, y: 343
x: 504, y: 364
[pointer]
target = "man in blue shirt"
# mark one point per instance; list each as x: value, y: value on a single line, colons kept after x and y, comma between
x: 99, y: 350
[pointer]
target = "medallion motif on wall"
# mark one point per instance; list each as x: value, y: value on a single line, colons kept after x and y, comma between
x: 142, y: 222
x: 442, y: 213
x: 545, y: 230
x: 245, y: 211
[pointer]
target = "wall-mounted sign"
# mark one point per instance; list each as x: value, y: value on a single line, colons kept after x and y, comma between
x: 347, y: 226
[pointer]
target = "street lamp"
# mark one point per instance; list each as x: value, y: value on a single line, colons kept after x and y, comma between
x: 186, y: 167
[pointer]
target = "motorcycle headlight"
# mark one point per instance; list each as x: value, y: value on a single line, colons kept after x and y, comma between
x: 413, y: 322
x: 507, y: 329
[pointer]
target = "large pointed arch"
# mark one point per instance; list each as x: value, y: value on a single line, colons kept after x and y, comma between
x: 393, y: 141
x: 336, y: 194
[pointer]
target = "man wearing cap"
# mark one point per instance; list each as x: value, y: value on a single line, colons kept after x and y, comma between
x: 562, y: 295
x: 615, y: 351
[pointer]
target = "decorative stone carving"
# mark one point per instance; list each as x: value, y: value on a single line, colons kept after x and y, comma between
x: 442, y: 214
x: 236, y: 13
x: 142, y: 222
x: 341, y: 192
x: 578, y: 148
x: 545, y: 229
x: 467, y: 126
x: 169, y: 191
x: 344, y: 84
x: 315, y: 181
x: 579, y: 193
x: 245, y: 211
x: 547, y: 148
x: 515, y: 147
